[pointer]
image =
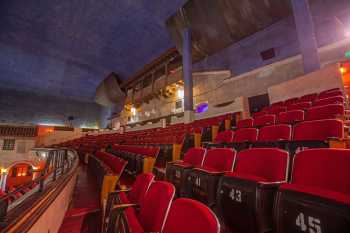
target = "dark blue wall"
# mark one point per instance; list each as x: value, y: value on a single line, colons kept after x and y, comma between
x: 245, y: 55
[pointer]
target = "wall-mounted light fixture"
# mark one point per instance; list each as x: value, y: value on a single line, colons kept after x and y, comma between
x: 180, y: 93
x: 133, y: 111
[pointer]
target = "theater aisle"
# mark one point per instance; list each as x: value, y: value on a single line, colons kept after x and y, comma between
x: 84, y: 213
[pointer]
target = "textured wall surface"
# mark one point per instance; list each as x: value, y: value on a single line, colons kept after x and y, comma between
x: 245, y: 55
x: 27, y: 107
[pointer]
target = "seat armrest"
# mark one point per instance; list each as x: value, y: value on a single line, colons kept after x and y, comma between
x: 334, y: 139
x: 122, y: 207
x: 272, y: 184
x: 120, y: 191
x: 209, y: 172
x: 174, y: 162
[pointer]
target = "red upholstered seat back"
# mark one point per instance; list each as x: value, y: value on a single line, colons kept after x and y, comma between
x: 277, y: 109
x: 115, y: 163
x: 323, y: 168
x: 224, y: 137
x: 299, y: 106
x: 155, y: 206
x: 258, y: 114
x: 309, y: 97
x: 268, y: 163
x: 330, y: 111
x: 190, y: 216
x: 274, y: 133
x: 140, y: 187
x: 220, y: 159
x: 245, y: 123
x: 329, y: 94
x: 318, y: 130
x: 195, y: 156
x: 331, y: 100
x: 291, y: 117
x: 265, y: 120
x: 245, y: 135
x: 291, y: 101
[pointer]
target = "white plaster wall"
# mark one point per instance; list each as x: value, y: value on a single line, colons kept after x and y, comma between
x: 27, y: 143
x: 327, y: 78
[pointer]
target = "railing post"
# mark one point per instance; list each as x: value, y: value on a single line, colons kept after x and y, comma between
x: 3, y: 212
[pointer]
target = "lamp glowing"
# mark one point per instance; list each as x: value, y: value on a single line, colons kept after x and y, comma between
x: 133, y: 111
x: 342, y: 70
x: 180, y: 94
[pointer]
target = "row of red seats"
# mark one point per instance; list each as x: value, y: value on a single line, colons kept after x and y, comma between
x: 333, y: 96
x: 331, y: 111
x: 307, y: 131
x: 135, y: 155
x: 116, y: 164
x: 170, y: 135
x: 243, y: 187
x: 149, y: 207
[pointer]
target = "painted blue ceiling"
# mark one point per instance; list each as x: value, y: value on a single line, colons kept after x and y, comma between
x: 65, y: 48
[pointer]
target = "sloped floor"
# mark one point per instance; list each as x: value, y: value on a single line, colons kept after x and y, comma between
x: 84, y: 214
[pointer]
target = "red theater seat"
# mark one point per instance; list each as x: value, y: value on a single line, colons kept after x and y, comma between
x: 243, y: 138
x: 318, y: 197
x: 313, y: 134
x: 264, y: 120
x: 274, y: 136
x: 258, y: 114
x: 177, y: 172
x: 246, y: 195
x: 190, y: 216
x: 309, y: 97
x: 245, y: 123
x: 202, y: 181
x: 152, y: 214
x: 331, y: 100
x: 276, y: 110
x: 221, y: 140
x: 331, y: 111
x: 299, y: 106
x: 291, y: 101
x: 135, y: 194
x: 291, y: 117
x: 329, y: 94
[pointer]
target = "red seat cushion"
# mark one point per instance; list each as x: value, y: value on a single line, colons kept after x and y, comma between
x: 326, y: 169
x: 133, y: 221
x: 190, y: 216
x: 331, y: 195
x: 246, y: 177
x: 194, y: 156
x: 267, y: 163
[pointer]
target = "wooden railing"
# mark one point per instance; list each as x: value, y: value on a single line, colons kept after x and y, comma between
x: 20, y: 214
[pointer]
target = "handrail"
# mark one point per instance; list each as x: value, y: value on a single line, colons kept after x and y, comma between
x: 61, y: 164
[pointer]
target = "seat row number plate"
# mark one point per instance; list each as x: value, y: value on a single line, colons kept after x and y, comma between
x: 313, y: 225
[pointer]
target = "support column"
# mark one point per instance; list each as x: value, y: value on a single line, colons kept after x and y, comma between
x: 3, y: 180
x: 306, y: 35
x: 187, y: 74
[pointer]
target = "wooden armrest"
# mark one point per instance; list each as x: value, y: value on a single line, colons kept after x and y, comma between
x: 120, y: 191
x: 272, y: 184
x: 334, y: 139
x: 122, y: 207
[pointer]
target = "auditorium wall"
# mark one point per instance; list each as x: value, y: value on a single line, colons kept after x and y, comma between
x: 245, y: 56
x: 30, y: 108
